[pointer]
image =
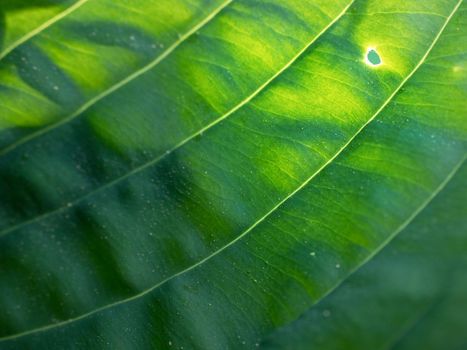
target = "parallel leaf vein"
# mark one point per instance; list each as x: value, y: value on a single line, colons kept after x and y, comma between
x: 405, y: 224
x: 181, y: 143
x: 284, y: 200
x: 118, y: 85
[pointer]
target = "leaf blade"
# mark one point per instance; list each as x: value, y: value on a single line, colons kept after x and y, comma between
x: 429, y: 182
x: 408, y: 290
x: 18, y: 35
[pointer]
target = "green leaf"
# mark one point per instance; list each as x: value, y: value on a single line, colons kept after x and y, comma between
x: 22, y: 19
x: 410, y: 296
x: 198, y: 174
x: 51, y: 78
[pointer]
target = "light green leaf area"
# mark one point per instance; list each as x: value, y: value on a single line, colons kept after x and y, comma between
x: 86, y: 55
x: 196, y: 174
x: 413, y: 295
x: 21, y: 19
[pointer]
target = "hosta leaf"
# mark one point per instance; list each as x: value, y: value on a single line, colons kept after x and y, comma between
x: 202, y: 193
x: 48, y: 80
x: 411, y: 296
x: 22, y: 19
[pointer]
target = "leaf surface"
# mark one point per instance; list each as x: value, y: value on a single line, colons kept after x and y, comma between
x: 86, y: 55
x: 22, y: 19
x: 411, y: 296
x: 230, y: 185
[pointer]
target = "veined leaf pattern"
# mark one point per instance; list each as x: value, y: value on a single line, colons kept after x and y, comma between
x: 201, y: 182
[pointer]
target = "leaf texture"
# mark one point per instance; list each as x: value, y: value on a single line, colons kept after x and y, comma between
x: 203, y: 192
x: 22, y: 19
x: 408, y: 297
x: 47, y: 80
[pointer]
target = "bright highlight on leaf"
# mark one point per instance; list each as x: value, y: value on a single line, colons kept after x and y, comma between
x: 233, y: 174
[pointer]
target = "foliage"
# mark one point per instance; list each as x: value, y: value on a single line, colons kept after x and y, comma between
x: 227, y: 174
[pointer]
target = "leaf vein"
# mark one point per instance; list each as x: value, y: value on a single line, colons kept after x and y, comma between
x: 42, y: 27
x: 260, y: 220
x: 118, y: 85
x: 181, y: 143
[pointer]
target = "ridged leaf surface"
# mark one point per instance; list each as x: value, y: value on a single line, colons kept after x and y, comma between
x: 411, y: 296
x: 197, y: 174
